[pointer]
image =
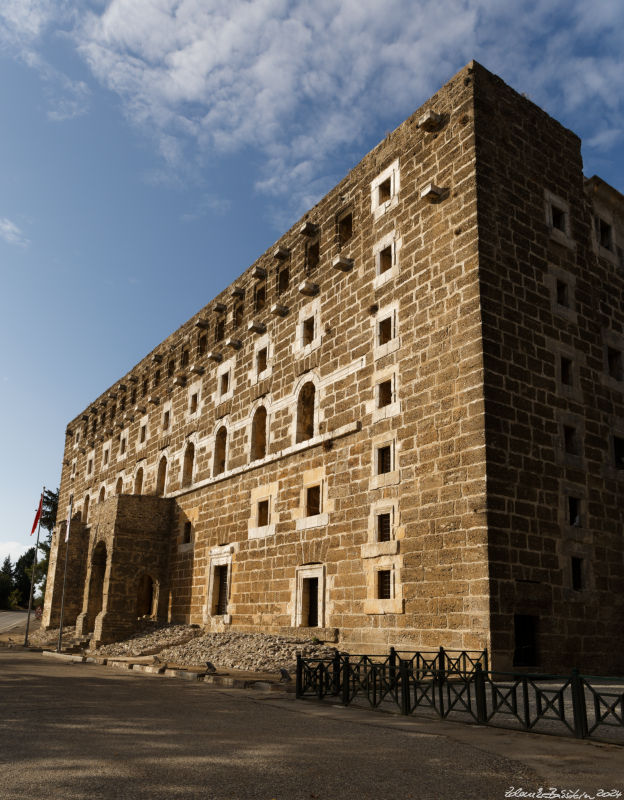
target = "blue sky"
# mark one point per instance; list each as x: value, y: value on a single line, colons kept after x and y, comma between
x: 150, y: 150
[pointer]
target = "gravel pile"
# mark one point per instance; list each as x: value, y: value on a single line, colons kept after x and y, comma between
x: 150, y: 642
x: 256, y: 652
x: 47, y: 638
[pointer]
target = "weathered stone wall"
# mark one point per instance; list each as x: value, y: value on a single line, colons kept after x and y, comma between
x: 544, y: 351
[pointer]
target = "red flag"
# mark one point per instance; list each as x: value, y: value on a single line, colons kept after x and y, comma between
x: 37, y: 516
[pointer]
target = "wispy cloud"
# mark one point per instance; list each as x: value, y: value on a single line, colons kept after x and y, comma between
x: 11, y: 233
x: 298, y: 82
x: 208, y: 204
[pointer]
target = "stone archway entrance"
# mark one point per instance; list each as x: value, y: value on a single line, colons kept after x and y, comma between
x: 96, y: 585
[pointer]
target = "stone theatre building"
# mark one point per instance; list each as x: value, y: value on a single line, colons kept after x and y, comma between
x: 403, y: 425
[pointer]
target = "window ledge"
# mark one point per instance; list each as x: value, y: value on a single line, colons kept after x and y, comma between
x: 385, y: 349
x: 185, y: 548
x: 392, y: 606
x: 388, y: 275
x: 562, y: 238
x: 387, y: 479
x: 261, y: 532
x: 386, y: 412
x: 376, y: 549
x: 317, y: 521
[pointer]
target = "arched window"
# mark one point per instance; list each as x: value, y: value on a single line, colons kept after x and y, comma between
x: 305, y: 412
x: 119, y: 486
x: 220, y: 448
x: 85, y: 510
x: 160, y: 479
x: 259, y: 434
x: 138, y: 481
x: 189, y: 460
x: 102, y: 495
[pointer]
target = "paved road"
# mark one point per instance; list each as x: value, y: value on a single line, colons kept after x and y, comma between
x: 84, y: 731
x: 12, y: 619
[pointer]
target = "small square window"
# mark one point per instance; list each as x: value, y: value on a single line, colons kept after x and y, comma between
x: 614, y: 363
x: 384, y: 331
x: 384, y: 459
x: 567, y: 374
x: 383, y: 527
x: 563, y: 294
x: 263, y: 513
x: 384, y: 394
x: 166, y: 418
x: 225, y: 383
x: 570, y: 440
x: 261, y: 360
x: 385, y: 259
x: 345, y: 229
x: 219, y: 330
x: 558, y: 216
x: 313, y: 501
x: 142, y: 433
x: 384, y: 584
x: 577, y: 573
x: 260, y: 297
x: 384, y: 191
x: 604, y: 233
x: 312, y: 255
x: 618, y: 452
x: 283, y: 279
x: 194, y: 403
x: 574, y: 511
x: 187, y: 533
x: 307, y: 331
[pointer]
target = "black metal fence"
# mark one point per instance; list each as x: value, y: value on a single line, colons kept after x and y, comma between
x: 458, y: 685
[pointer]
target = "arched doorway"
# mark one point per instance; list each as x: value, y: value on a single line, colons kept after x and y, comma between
x: 145, y: 596
x: 258, y: 434
x: 96, y: 584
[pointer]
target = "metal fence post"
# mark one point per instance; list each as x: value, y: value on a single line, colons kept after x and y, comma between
x: 299, y: 678
x: 405, y: 688
x: 336, y: 673
x: 525, y: 702
x: 346, y: 670
x: 441, y: 675
x: 579, y: 709
x: 479, y: 682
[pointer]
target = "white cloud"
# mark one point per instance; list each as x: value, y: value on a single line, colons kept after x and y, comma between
x: 299, y: 82
x: 11, y: 234
x: 13, y: 549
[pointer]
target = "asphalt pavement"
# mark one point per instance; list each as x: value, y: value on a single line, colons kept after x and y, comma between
x: 88, y: 731
x: 12, y: 619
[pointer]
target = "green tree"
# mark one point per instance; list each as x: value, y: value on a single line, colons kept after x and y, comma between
x: 6, y: 582
x: 48, y: 521
x: 22, y: 573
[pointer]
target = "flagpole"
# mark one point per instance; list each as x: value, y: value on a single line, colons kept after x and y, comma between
x: 34, y: 569
x: 60, y: 637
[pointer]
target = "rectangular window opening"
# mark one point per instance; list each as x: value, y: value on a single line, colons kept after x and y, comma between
x: 202, y: 345
x: 225, y: 383
x: 383, y: 527
x: 261, y: 360
x: 312, y: 255
x: 309, y: 603
x: 184, y: 361
x: 563, y: 294
x: 238, y: 315
x: 263, y: 513
x: 307, y: 331
x: 618, y: 452
x: 614, y: 363
x: 345, y: 229
x: 260, y: 297
x: 604, y: 233
x: 570, y: 440
x: 384, y: 459
x: 385, y: 259
x: 385, y: 330
x: 313, y: 501
x: 283, y: 279
x: 194, y: 402
x: 384, y: 394
x: 567, y: 375
x: 384, y: 191
x: 558, y: 216
x: 384, y: 584
x: 574, y: 511
x: 187, y: 533
x: 219, y: 330
x: 166, y: 418
x: 171, y: 367
x: 220, y: 590
x: 577, y: 573
x: 142, y: 434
